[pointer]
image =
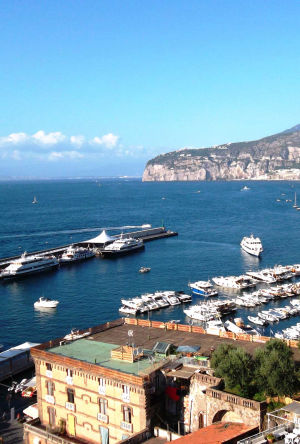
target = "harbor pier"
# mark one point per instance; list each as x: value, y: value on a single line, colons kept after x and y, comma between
x: 146, y: 235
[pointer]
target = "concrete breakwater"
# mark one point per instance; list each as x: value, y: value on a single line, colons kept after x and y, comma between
x: 146, y: 235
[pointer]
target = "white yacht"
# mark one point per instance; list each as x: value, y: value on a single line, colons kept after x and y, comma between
x: 73, y: 254
x: 75, y: 334
x: 252, y: 245
x: 214, y: 327
x: 26, y: 265
x: 231, y: 282
x: 262, y: 275
x: 123, y: 246
x: 257, y: 320
x: 203, y: 288
x: 45, y: 303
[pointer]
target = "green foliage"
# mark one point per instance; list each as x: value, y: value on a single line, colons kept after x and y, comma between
x: 275, y: 369
x: 271, y: 372
x: 235, y: 366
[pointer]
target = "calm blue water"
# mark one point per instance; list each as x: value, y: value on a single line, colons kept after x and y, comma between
x: 210, y: 226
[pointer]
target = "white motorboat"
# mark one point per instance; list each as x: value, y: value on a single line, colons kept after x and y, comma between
x: 124, y: 245
x: 73, y: 254
x: 266, y: 316
x: 214, y: 327
x: 144, y: 270
x: 75, y: 334
x: 262, y: 276
x: 127, y: 310
x: 252, y: 245
x: 27, y: 265
x: 245, y: 188
x: 230, y: 282
x: 45, y: 303
x: 184, y: 297
x: 203, y: 288
x: 34, y: 200
x: 198, y: 315
x: 230, y: 326
x: 257, y: 320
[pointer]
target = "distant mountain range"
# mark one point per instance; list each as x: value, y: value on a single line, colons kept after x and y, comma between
x: 271, y: 158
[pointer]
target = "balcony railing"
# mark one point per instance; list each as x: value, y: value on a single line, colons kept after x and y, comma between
x: 70, y: 406
x: 102, y: 417
x: 69, y: 380
x: 125, y: 397
x: 126, y: 426
x: 101, y: 389
x: 50, y: 399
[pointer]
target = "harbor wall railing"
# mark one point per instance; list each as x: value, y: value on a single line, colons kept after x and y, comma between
x: 201, y: 330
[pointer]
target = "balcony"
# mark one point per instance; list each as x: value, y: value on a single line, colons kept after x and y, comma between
x: 50, y: 399
x: 125, y: 397
x: 102, y: 417
x: 126, y: 426
x: 70, y: 406
x: 49, y: 373
x: 69, y: 380
x: 101, y: 389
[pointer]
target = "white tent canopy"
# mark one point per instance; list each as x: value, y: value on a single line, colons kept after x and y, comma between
x: 102, y: 238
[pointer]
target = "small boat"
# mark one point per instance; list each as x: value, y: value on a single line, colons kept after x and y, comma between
x: 245, y: 188
x: 34, y: 200
x: 144, y: 270
x: 75, y: 334
x: 257, y: 320
x: 203, y: 288
x: 45, y: 303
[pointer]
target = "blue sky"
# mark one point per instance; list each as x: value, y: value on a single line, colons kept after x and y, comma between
x: 92, y: 87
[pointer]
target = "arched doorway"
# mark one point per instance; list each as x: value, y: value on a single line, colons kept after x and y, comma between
x: 200, y: 421
x: 219, y: 415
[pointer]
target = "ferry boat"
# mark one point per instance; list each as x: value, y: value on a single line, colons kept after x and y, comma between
x: 73, y: 254
x: 203, y: 288
x: 26, y: 265
x: 252, y: 245
x: 45, y: 303
x: 123, y: 246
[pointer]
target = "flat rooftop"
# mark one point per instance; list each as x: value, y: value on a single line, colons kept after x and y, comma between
x: 99, y: 353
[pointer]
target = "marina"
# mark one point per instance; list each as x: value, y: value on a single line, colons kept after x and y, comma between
x: 93, y: 289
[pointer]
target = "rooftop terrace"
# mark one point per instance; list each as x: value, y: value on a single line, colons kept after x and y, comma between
x: 99, y: 353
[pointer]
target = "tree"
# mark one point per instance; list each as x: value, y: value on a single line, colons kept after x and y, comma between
x: 235, y: 366
x: 275, y: 369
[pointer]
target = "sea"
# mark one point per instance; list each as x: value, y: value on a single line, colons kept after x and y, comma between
x: 210, y: 217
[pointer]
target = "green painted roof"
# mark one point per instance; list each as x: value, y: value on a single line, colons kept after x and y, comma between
x: 98, y: 353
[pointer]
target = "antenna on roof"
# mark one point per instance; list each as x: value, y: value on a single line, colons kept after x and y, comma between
x: 130, y: 335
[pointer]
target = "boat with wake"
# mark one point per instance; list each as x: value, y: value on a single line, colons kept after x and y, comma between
x: 45, y: 303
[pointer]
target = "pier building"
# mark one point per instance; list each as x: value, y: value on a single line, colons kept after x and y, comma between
x: 120, y: 382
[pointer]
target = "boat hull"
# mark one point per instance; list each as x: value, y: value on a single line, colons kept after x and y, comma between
x: 24, y: 274
x: 112, y: 253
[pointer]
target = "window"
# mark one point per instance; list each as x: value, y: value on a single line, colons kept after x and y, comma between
x: 50, y: 388
x: 69, y: 373
x: 49, y: 367
x: 51, y: 413
x: 101, y: 382
x: 126, y: 393
x: 70, y: 394
x: 102, y: 406
x: 127, y: 413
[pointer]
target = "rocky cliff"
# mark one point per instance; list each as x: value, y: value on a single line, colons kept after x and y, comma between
x: 273, y: 157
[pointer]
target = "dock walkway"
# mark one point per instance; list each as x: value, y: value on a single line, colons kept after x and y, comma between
x: 145, y: 235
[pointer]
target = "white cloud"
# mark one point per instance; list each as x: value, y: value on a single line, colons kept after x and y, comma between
x: 57, y: 155
x: 16, y: 155
x: 14, y: 139
x: 48, y: 139
x: 77, y: 140
x: 109, y: 140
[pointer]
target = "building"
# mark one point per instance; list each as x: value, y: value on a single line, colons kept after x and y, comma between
x: 118, y: 381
